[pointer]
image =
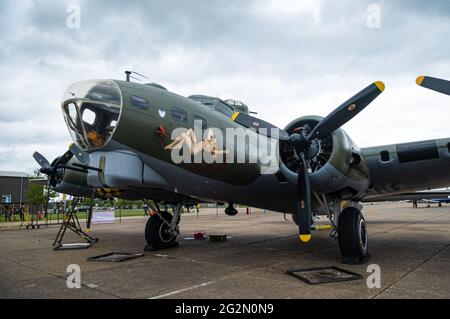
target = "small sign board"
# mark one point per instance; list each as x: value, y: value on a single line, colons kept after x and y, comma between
x: 103, y: 216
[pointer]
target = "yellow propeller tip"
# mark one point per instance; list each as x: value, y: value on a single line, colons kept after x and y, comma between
x: 304, y: 238
x: 380, y: 85
x: 420, y: 79
x: 234, y: 116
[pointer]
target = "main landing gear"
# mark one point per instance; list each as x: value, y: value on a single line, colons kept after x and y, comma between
x: 162, y: 228
x: 349, y: 228
x: 352, y: 236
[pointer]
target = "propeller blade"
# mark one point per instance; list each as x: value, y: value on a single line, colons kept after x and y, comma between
x: 303, y: 205
x: 42, y: 161
x: 64, y: 159
x: 82, y: 156
x: 252, y: 122
x: 435, y: 84
x: 346, y: 111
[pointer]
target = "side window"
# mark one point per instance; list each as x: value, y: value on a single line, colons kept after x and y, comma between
x: 139, y: 102
x: 199, y: 118
x: 224, y: 109
x: 7, y: 199
x: 88, y: 116
x: 385, y: 156
x: 178, y: 114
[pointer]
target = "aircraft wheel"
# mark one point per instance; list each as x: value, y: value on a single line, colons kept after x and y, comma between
x: 231, y: 211
x: 352, y: 236
x: 157, y: 232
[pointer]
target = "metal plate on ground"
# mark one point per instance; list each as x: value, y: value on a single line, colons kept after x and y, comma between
x: 115, y: 257
x: 217, y: 237
x: 322, y: 275
x: 72, y: 246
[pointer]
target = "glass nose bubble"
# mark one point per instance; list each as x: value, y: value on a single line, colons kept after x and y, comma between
x: 92, y: 111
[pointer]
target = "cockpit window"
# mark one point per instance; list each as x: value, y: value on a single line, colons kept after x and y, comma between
x: 92, y: 110
x: 214, y: 103
x: 224, y: 109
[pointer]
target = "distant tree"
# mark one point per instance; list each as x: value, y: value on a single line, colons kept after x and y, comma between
x: 37, y: 173
x: 35, y: 194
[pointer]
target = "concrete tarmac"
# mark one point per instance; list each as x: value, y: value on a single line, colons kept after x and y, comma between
x: 411, y: 246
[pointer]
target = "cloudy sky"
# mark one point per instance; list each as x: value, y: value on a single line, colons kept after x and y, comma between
x: 284, y: 58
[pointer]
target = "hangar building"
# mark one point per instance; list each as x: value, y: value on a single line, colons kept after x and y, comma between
x: 13, y: 187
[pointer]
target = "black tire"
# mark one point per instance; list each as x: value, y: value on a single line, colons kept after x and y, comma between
x: 352, y: 234
x: 155, y: 234
x: 230, y: 211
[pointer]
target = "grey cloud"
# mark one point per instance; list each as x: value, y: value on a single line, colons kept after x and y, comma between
x: 284, y: 62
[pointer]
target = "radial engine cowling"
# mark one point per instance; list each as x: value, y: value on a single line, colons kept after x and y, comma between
x: 336, y: 164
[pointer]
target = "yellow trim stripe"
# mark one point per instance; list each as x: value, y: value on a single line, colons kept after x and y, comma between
x: 420, y: 79
x: 380, y: 85
x: 304, y: 238
x: 234, y: 116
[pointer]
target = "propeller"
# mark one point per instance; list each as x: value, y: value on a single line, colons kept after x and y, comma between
x: 302, y: 140
x: 53, y: 171
x: 435, y: 84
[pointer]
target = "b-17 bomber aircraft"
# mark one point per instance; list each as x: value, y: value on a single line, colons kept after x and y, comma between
x: 140, y: 141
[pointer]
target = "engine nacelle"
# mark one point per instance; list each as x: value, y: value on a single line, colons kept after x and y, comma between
x: 73, y: 182
x: 336, y: 163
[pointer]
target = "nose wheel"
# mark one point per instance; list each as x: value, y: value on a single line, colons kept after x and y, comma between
x: 352, y: 236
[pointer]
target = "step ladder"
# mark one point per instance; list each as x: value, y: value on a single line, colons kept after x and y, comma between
x: 72, y: 223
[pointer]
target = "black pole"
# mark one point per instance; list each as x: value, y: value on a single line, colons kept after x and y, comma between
x: 89, y: 217
x: 46, y: 205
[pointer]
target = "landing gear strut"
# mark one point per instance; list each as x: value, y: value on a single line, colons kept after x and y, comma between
x: 352, y: 236
x: 230, y: 210
x: 162, y: 229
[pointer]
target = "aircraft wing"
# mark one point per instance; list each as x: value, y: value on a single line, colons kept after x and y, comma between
x: 431, y: 196
x: 437, y: 200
